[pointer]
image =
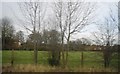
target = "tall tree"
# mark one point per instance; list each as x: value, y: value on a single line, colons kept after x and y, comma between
x: 106, y: 36
x: 72, y: 17
x: 119, y: 34
x: 78, y: 16
x: 8, y: 40
x: 7, y: 33
x: 33, y: 13
x: 58, y: 9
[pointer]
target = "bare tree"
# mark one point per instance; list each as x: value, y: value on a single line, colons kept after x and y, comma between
x: 118, y: 7
x: 58, y: 8
x: 7, y: 33
x: 119, y: 35
x: 33, y: 13
x: 8, y: 41
x: 106, y: 36
x: 78, y: 15
x: 72, y: 17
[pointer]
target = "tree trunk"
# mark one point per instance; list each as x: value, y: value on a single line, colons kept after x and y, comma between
x: 68, y: 42
x: 63, y: 51
x: 63, y: 56
x: 107, y: 55
x: 82, y: 65
x: 12, y: 57
x: 35, y: 50
x: 118, y: 60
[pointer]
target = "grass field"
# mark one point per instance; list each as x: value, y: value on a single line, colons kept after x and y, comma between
x: 91, y: 59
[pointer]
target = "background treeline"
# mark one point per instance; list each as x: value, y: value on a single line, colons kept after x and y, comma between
x: 16, y: 40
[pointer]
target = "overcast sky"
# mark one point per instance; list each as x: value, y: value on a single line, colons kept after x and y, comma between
x: 11, y: 10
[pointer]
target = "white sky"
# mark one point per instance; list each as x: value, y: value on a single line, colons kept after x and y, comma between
x: 9, y: 8
x: 62, y: 0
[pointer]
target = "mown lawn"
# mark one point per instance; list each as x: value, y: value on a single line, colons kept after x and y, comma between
x: 91, y: 59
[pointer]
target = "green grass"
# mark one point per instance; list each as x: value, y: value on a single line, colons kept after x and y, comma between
x: 24, y: 57
x: 91, y: 59
x: 0, y: 57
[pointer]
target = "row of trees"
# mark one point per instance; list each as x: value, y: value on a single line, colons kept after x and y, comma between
x: 10, y: 39
x: 67, y: 19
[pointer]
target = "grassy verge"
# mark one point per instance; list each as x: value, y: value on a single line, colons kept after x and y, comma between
x: 93, y: 61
